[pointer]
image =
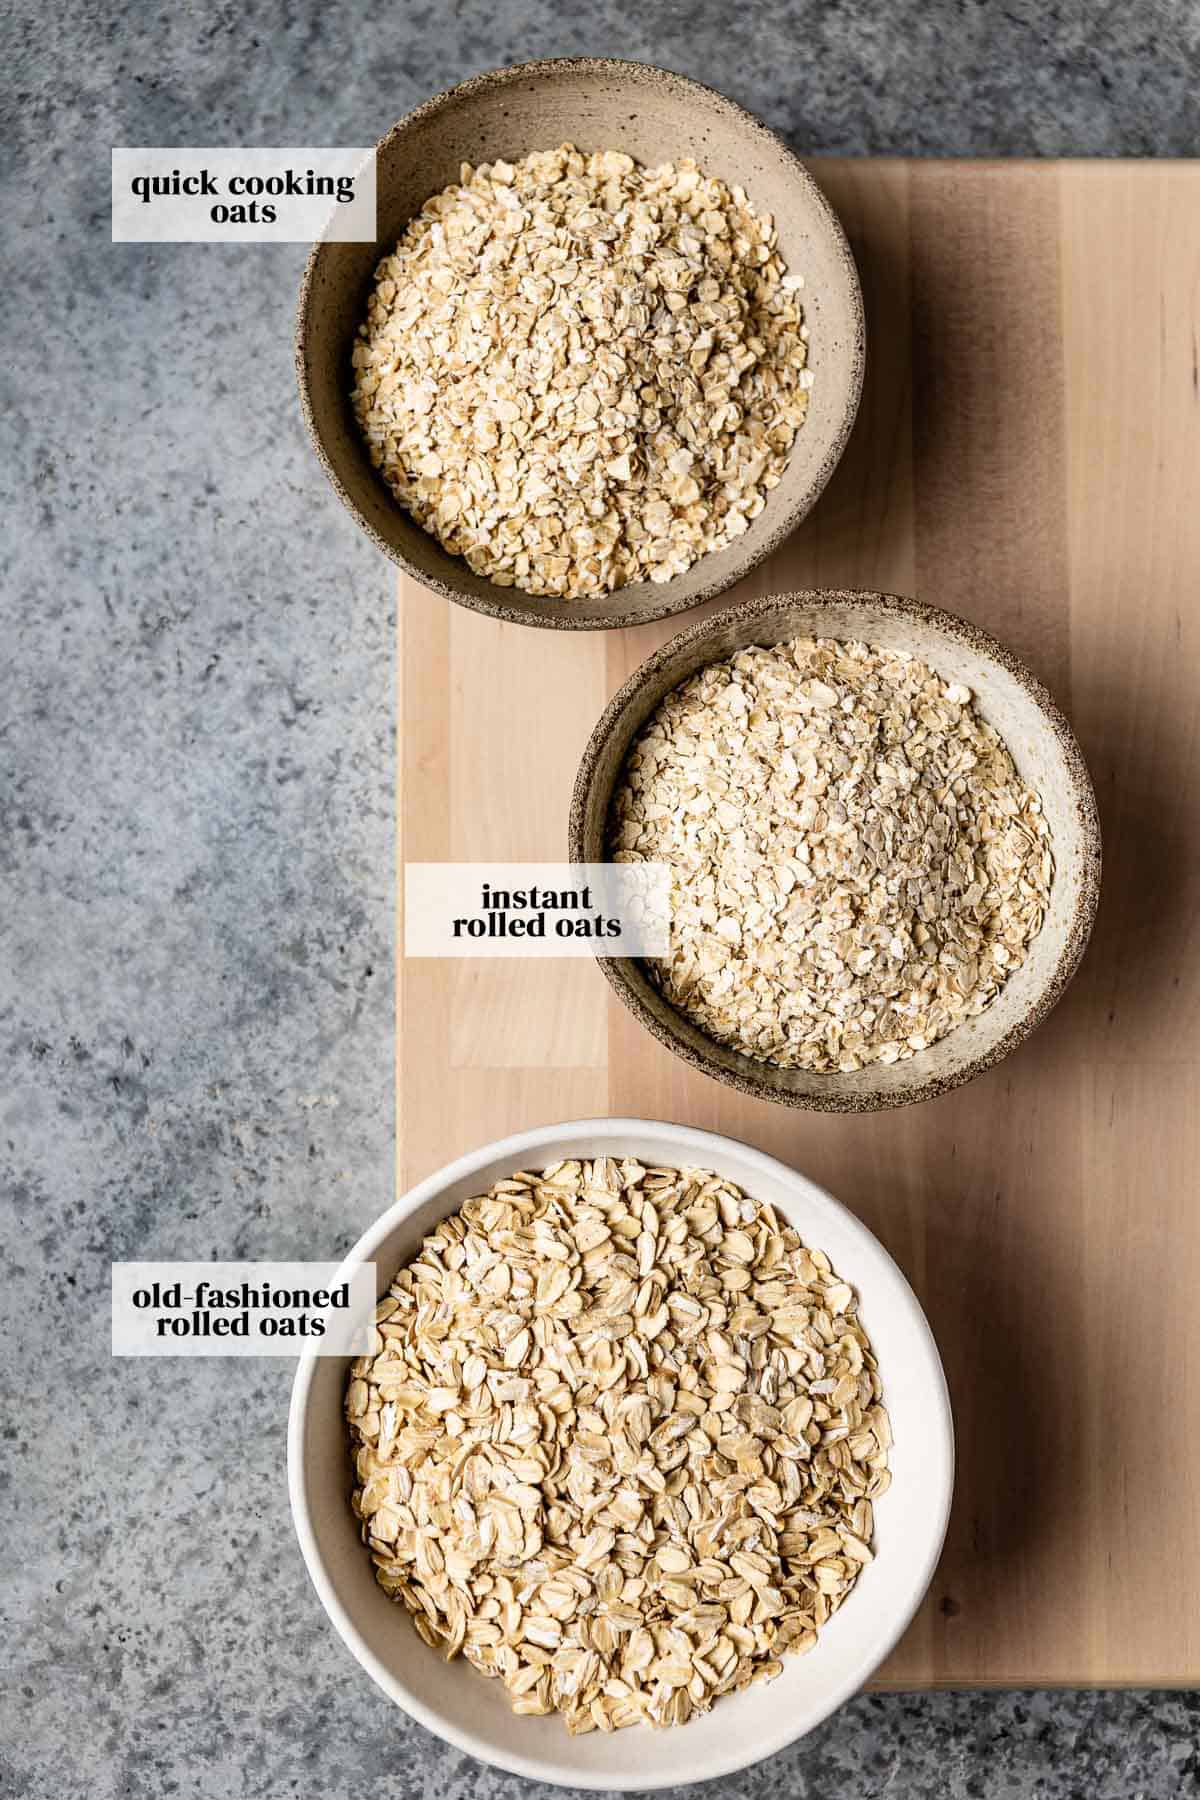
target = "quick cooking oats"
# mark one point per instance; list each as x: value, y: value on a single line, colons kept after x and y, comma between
x: 617, y: 1441
x: 577, y: 373
x: 857, y: 866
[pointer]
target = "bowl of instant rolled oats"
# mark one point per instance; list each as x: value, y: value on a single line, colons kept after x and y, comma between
x: 645, y: 1467
x: 882, y: 839
x: 603, y: 356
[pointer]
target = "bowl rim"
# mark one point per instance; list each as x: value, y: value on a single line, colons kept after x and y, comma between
x: 747, y: 1076
x: 674, y: 1139
x: 569, y: 619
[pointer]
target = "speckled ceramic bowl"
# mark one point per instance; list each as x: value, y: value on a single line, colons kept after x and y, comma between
x: 1046, y: 754
x: 596, y: 104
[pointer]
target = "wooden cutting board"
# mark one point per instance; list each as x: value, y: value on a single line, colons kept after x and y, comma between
x: 1027, y: 454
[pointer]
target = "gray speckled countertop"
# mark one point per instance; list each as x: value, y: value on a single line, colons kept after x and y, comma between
x: 196, y: 836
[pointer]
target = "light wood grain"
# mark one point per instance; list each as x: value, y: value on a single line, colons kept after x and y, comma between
x: 1028, y: 454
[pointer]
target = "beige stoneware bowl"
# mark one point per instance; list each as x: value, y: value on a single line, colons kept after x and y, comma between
x: 472, y: 1713
x: 1046, y: 754
x: 596, y: 104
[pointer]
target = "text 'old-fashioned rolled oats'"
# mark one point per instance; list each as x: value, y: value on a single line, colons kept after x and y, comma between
x: 578, y: 373
x: 618, y: 1441
x: 856, y: 865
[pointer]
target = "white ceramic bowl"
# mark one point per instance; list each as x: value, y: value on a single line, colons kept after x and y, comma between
x: 472, y: 1713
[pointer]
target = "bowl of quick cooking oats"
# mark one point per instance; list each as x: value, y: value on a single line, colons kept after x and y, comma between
x: 882, y: 840
x: 603, y: 356
x: 645, y: 1466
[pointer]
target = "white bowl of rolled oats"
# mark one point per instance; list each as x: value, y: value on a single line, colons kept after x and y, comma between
x: 648, y: 1465
x: 883, y: 844
x: 604, y: 355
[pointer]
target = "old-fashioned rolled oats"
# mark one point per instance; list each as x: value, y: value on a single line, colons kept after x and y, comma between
x: 857, y: 866
x: 618, y: 1441
x: 578, y: 373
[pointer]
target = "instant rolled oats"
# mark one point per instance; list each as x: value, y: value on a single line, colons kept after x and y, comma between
x: 857, y: 867
x: 578, y: 373
x: 618, y: 1441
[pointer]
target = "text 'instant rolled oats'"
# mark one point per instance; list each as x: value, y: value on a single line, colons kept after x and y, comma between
x: 578, y: 373
x: 618, y: 1440
x: 857, y: 867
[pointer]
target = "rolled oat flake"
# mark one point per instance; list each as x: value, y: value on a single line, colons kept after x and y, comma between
x: 857, y: 866
x: 618, y: 1441
x: 578, y: 373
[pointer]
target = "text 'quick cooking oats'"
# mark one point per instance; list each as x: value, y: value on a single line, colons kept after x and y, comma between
x: 618, y: 1440
x: 857, y: 867
x: 578, y: 373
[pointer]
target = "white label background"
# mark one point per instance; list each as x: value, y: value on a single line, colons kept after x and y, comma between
x: 636, y: 894
x: 186, y: 219
x: 135, y: 1329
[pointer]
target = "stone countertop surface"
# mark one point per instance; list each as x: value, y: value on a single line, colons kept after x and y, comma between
x: 196, y: 831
